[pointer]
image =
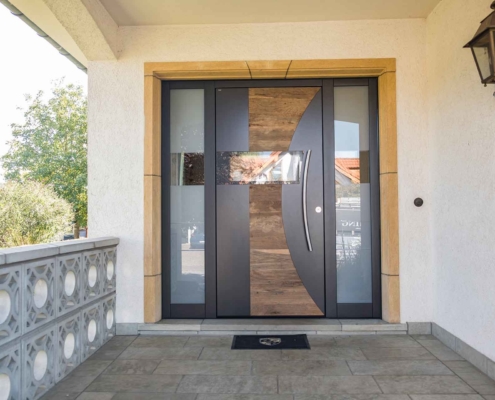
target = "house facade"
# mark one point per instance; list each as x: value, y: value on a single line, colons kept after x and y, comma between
x: 219, y: 140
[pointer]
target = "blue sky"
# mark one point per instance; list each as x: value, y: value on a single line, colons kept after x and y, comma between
x: 28, y: 64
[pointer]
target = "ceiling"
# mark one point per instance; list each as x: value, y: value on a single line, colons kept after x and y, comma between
x: 184, y: 12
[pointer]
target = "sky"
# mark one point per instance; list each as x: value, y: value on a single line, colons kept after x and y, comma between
x: 28, y: 64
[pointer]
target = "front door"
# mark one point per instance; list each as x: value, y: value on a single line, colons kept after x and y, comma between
x: 270, y: 247
x: 271, y: 199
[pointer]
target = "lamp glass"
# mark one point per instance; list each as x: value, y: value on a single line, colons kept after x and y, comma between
x: 481, y: 50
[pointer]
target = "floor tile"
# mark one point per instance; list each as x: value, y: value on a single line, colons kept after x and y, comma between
x: 154, y: 396
x: 423, y: 337
x: 127, y: 340
x: 399, y: 367
x: 397, y: 353
x: 460, y: 366
x: 301, y: 368
x: 228, y: 384
x: 135, y: 383
x: 54, y: 395
x: 321, y: 341
x: 91, y: 368
x: 107, y: 354
x: 489, y: 397
x: 209, y: 341
x: 74, y: 384
x: 204, y: 367
x: 423, y: 385
x: 446, y: 397
x: 480, y: 382
x: 327, y: 384
x: 352, y: 397
x: 132, y: 367
x: 324, y: 353
x: 159, y: 341
x: 96, y: 396
x: 212, y: 353
x: 376, y: 341
x: 440, y: 351
x: 149, y: 353
x: 244, y: 397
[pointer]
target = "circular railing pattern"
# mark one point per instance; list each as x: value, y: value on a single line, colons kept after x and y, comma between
x: 60, y: 310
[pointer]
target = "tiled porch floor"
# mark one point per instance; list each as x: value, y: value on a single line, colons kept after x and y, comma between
x: 374, y: 367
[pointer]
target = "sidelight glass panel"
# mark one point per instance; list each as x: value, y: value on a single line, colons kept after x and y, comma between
x: 187, y: 196
x: 258, y: 168
x: 352, y: 188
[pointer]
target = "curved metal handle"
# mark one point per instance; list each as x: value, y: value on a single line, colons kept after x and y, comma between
x: 305, y: 200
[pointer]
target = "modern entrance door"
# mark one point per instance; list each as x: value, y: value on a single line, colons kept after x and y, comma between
x: 271, y: 204
x: 270, y: 240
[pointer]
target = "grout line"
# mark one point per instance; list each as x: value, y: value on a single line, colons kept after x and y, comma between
x: 348, y: 366
x: 377, y: 384
x: 177, y: 387
x: 201, y: 352
x: 462, y: 379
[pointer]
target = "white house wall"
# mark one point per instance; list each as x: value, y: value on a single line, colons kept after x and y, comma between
x: 116, y: 130
x: 462, y: 169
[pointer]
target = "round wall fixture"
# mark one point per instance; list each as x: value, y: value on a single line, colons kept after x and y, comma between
x: 91, y: 330
x: 4, y: 387
x: 69, y: 345
x: 109, y: 319
x: 69, y: 283
x: 418, y: 202
x: 110, y: 270
x: 5, y: 306
x: 40, y: 294
x: 40, y: 365
x: 92, y: 276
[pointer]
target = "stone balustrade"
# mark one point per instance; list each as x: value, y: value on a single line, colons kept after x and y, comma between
x: 57, y: 307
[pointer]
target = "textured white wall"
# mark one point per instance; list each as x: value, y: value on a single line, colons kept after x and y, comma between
x: 116, y: 128
x: 462, y: 131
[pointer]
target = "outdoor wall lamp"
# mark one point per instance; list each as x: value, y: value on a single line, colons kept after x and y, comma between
x: 483, y: 47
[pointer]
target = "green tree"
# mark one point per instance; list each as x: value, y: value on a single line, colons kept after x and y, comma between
x: 50, y: 146
x: 31, y: 213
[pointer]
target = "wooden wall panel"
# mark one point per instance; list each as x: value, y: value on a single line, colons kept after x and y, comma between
x: 276, y: 288
x: 274, y: 114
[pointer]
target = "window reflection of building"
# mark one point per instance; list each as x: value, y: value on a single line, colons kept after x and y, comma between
x: 263, y: 167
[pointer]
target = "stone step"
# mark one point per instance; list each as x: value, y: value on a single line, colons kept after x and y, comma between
x: 271, y: 326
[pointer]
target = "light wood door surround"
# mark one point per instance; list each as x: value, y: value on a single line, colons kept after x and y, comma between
x: 384, y: 69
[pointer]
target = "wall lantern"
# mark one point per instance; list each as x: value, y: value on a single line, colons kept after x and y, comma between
x: 483, y: 47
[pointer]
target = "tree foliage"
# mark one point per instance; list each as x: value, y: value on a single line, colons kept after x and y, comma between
x: 50, y: 146
x: 31, y: 213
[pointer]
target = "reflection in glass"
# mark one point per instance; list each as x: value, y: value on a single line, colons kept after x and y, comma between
x: 261, y: 167
x: 483, y: 59
x: 187, y: 196
x: 352, y: 187
x: 187, y: 169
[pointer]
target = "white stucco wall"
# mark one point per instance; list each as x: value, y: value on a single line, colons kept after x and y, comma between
x: 462, y: 169
x: 116, y: 129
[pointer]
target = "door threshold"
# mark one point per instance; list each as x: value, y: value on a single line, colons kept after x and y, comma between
x: 264, y: 326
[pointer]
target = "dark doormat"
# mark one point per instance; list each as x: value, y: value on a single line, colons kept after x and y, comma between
x: 270, y: 342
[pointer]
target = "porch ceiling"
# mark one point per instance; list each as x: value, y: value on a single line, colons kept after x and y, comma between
x: 185, y: 12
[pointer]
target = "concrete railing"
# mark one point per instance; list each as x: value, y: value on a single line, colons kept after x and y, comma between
x: 57, y: 307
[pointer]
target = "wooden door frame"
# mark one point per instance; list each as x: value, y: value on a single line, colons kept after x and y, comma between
x: 383, y: 68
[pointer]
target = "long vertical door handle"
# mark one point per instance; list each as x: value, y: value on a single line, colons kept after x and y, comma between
x: 305, y: 200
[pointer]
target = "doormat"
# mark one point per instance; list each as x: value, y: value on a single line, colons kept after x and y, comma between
x: 270, y: 342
